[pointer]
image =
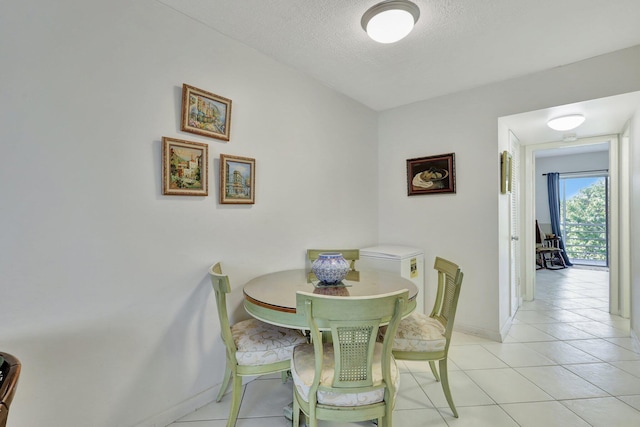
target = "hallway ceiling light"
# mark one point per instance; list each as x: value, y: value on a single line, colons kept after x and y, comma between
x: 566, y: 122
x: 390, y: 21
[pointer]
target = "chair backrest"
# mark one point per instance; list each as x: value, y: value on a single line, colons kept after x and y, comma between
x: 449, y: 284
x: 354, y: 323
x: 351, y: 255
x: 539, y: 234
x: 221, y: 288
x: 9, y: 373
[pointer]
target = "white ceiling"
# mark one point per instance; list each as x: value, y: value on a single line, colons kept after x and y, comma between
x: 456, y: 44
x: 604, y: 116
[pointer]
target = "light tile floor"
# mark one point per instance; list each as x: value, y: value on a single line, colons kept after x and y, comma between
x: 566, y: 362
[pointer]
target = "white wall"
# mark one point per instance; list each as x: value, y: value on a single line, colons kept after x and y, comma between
x: 105, y: 294
x: 568, y: 163
x: 471, y: 227
x: 634, y: 143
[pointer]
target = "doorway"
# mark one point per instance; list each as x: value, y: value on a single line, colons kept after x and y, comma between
x: 582, y: 217
x: 608, y: 117
x: 617, y: 297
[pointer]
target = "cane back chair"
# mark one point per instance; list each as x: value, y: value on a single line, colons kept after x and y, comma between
x: 350, y: 377
x: 252, y: 347
x: 427, y: 337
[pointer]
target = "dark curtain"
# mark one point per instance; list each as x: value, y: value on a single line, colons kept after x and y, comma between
x: 553, y: 188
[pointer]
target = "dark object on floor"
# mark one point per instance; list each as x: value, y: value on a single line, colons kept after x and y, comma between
x: 9, y: 373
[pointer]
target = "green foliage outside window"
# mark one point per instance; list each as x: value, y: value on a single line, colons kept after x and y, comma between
x: 585, y: 223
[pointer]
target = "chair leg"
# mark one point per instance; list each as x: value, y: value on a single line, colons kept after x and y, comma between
x: 296, y: 413
x: 312, y: 420
x: 387, y: 420
x: 225, y: 384
x: 561, y: 259
x: 445, y: 386
x: 432, y: 365
x: 235, y: 401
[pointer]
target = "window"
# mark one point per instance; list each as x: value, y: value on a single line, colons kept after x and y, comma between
x: 584, y: 218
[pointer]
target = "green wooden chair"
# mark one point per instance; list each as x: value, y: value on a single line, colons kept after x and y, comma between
x: 253, y: 347
x: 422, y: 337
x: 352, y: 377
x: 351, y: 255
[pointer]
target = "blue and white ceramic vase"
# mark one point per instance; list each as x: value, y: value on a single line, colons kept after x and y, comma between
x: 330, y: 268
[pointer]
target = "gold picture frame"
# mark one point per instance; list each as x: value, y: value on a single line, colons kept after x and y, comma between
x: 237, y: 180
x: 185, y: 167
x: 205, y: 113
x: 506, y: 172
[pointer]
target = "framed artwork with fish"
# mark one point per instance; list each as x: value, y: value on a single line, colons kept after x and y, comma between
x: 431, y: 175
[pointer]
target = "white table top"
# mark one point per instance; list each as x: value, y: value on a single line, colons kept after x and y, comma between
x: 272, y: 297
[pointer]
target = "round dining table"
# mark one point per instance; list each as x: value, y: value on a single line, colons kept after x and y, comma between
x: 272, y: 297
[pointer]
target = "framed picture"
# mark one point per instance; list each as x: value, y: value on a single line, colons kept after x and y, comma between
x: 237, y: 180
x: 205, y: 113
x: 506, y: 168
x: 431, y: 175
x: 184, y: 168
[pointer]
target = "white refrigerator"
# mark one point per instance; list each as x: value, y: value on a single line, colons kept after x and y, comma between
x: 407, y: 261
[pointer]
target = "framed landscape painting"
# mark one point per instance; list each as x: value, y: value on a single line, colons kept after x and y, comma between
x: 237, y: 179
x: 205, y: 113
x: 184, y: 168
x: 431, y: 175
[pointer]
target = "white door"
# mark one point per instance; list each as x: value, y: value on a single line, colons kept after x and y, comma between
x: 514, y: 226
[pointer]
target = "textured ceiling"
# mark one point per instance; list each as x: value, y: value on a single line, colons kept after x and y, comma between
x: 456, y: 44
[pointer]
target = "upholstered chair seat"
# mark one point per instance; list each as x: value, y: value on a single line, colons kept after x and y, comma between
x: 303, y: 371
x: 419, y: 332
x: 259, y: 343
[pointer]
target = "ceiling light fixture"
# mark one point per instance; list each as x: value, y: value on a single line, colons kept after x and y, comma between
x: 566, y: 122
x: 390, y: 21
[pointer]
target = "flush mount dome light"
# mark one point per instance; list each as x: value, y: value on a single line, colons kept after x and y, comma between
x: 566, y: 122
x: 390, y: 21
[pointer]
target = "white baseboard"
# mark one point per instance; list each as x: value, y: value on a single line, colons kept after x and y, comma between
x: 188, y: 406
x: 504, y: 331
x: 479, y: 332
x: 635, y: 340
